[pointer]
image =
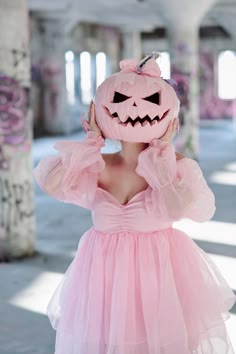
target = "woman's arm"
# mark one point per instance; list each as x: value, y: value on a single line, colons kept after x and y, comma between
x: 71, y: 175
x: 179, y: 189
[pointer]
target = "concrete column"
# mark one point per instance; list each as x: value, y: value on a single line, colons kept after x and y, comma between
x: 131, y: 44
x: 17, y: 227
x: 183, y: 47
x: 182, y: 19
x: 55, y: 115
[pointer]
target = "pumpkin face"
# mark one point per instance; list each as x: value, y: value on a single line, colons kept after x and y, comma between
x: 135, y: 107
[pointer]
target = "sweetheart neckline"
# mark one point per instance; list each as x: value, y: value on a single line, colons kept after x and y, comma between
x: 137, y: 194
x: 117, y: 201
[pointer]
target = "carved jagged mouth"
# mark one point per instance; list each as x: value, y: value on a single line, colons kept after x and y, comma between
x: 137, y: 121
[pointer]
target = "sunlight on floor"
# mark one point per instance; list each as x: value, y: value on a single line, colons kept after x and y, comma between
x: 227, y: 266
x: 36, y: 296
x: 211, y: 231
x: 231, y: 325
x: 231, y: 166
x: 226, y: 177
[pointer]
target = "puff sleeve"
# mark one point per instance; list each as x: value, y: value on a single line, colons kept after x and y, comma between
x: 179, y: 189
x: 71, y: 175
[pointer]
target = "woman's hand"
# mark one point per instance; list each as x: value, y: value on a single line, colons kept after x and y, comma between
x: 92, y: 119
x: 171, y: 130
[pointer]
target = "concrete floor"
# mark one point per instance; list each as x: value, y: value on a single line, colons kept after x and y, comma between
x: 27, y: 285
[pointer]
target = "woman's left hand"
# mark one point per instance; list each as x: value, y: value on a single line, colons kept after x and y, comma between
x: 171, y: 130
x: 92, y: 119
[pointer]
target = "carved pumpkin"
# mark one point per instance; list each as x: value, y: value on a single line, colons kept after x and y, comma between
x: 135, y: 105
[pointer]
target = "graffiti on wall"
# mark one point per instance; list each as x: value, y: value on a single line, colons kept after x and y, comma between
x: 21, y: 62
x: 52, y: 76
x: 47, y: 85
x: 183, y: 77
x: 15, y: 204
x: 16, y: 223
x: 183, y: 90
x: 184, y: 60
x: 211, y: 106
x: 185, y: 81
x: 13, y: 110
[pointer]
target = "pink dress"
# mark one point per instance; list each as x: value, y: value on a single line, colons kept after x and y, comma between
x: 136, y: 284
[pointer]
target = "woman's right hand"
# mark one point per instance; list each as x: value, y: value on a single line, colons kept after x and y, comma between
x: 92, y: 119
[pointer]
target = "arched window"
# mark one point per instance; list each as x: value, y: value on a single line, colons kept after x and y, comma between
x: 70, y: 76
x: 84, y: 73
x: 227, y: 75
x: 164, y: 63
x: 86, y: 77
x: 100, y: 68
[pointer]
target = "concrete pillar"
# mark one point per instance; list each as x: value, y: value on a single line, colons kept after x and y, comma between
x: 17, y: 227
x: 183, y: 47
x: 131, y: 44
x: 55, y: 115
x: 182, y: 19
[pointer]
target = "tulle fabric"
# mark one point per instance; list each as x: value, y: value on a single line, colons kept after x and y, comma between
x: 179, y: 189
x: 141, y: 293
x: 71, y: 175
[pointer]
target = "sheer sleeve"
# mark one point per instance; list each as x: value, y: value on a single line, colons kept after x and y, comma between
x: 179, y: 189
x: 71, y: 175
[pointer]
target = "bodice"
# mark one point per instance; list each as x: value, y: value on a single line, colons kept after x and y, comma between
x: 109, y: 215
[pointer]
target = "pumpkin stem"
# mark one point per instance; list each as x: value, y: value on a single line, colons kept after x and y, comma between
x: 153, y: 55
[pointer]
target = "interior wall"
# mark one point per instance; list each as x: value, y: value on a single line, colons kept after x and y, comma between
x: 211, y: 106
x: 96, y: 38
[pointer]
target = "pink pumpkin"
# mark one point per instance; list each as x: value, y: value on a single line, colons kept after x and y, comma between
x: 135, y: 105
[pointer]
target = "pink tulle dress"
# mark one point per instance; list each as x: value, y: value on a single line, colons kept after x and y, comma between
x: 136, y: 284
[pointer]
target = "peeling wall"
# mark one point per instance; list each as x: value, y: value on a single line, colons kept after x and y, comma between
x: 52, y: 113
x: 211, y: 105
x: 17, y: 227
x: 97, y: 38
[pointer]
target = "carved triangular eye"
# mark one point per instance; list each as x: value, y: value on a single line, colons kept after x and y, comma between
x: 119, y: 97
x: 155, y: 98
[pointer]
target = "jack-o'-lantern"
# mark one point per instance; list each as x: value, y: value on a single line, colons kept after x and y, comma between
x: 135, y: 104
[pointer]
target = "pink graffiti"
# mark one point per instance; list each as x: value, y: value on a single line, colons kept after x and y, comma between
x: 182, y: 48
x: 212, y: 106
x: 183, y: 81
x: 12, y: 111
x: 51, y: 74
x: 13, y: 106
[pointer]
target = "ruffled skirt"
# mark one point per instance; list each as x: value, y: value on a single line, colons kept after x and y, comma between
x: 141, y: 293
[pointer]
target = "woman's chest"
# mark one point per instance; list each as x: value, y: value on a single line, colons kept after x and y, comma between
x: 122, y: 183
